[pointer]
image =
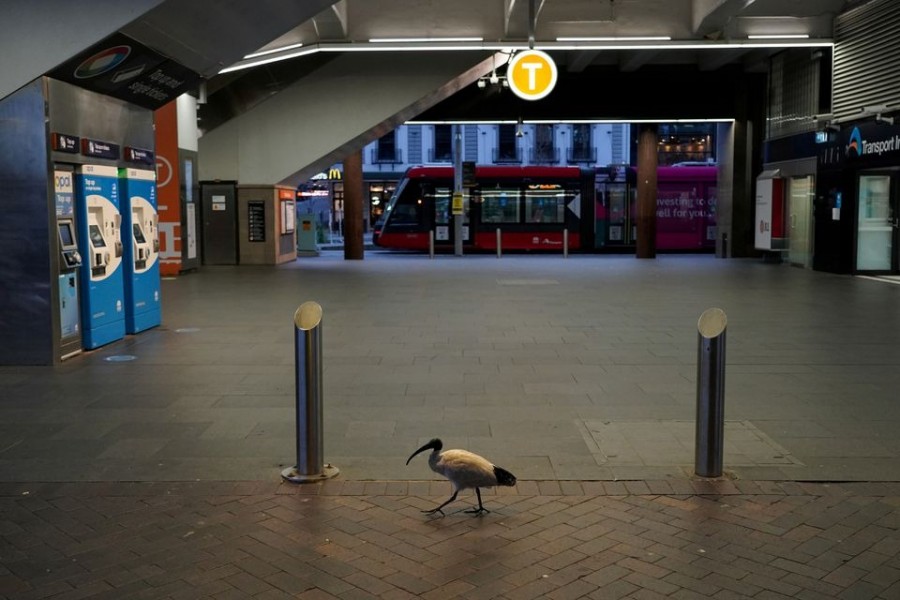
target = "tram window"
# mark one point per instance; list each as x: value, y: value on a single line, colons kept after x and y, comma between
x: 546, y: 203
x: 406, y: 214
x: 439, y: 197
x: 407, y: 209
x: 500, y: 204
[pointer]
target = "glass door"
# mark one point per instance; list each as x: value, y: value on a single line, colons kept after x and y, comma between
x: 800, y: 208
x: 876, y: 225
x: 441, y: 198
x: 618, y: 217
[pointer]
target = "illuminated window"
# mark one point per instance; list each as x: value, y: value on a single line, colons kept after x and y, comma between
x: 499, y: 204
x: 546, y: 203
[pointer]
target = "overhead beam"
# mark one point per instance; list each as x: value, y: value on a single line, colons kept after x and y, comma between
x: 331, y: 23
x: 517, y: 23
x: 710, y: 17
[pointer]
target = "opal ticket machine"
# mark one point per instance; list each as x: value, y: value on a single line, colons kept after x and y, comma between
x: 69, y: 263
x: 141, y: 262
x: 99, y: 234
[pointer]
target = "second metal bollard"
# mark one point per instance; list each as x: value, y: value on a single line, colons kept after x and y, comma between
x: 308, y: 380
x: 710, y: 435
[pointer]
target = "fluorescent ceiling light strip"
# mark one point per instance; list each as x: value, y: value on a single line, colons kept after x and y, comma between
x: 272, y: 51
x: 626, y: 38
x: 675, y: 45
x: 423, y: 40
x: 565, y: 121
x: 387, y: 47
x: 779, y: 36
x: 271, y: 59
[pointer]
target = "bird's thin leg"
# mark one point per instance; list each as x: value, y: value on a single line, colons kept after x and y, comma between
x: 438, y: 509
x: 481, y: 508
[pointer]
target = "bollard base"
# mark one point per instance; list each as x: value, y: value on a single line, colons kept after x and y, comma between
x: 727, y: 475
x: 293, y: 476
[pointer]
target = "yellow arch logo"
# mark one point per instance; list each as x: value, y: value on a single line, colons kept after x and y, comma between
x: 531, y: 74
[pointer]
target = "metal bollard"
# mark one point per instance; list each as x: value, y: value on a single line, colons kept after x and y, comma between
x: 565, y: 243
x: 431, y: 244
x: 499, y: 250
x: 710, y: 438
x: 308, y: 380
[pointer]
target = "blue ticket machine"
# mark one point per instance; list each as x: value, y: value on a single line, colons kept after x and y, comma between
x: 100, y: 244
x: 140, y: 224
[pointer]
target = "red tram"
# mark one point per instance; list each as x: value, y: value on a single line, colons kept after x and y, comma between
x: 533, y: 207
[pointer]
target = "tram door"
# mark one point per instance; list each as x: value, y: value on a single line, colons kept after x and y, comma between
x: 613, y: 217
x: 441, y: 197
x: 878, y: 223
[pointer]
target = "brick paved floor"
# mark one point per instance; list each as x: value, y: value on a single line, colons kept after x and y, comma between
x: 549, y: 539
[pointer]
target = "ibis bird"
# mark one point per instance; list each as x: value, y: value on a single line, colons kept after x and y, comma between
x: 464, y: 469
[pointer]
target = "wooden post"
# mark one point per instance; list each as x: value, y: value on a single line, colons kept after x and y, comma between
x: 646, y: 191
x: 354, y: 201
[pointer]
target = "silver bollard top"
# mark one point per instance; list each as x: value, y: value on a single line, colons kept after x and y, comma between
x: 712, y: 322
x: 308, y: 316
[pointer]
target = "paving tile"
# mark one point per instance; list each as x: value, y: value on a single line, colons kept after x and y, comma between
x: 507, y: 375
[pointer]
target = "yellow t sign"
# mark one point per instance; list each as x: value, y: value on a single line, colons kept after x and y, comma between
x: 531, y: 74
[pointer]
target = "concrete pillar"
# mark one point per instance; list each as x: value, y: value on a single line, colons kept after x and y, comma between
x: 354, y: 201
x: 646, y: 190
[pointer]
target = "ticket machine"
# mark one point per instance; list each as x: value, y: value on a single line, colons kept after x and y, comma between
x: 69, y: 263
x: 140, y: 223
x: 100, y: 245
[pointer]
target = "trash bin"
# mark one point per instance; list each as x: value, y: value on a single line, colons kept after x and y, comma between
x: 306, y: 235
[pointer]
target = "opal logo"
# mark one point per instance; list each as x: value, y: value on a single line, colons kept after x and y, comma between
x: 854, y: 148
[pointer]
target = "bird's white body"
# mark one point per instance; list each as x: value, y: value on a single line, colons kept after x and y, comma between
x: 463, y: 469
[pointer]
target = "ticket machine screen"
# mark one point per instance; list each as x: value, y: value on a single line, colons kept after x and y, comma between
x: 97, y: 237
x: 67, y: 247
x: 65, y: 234
x: 138, y: 234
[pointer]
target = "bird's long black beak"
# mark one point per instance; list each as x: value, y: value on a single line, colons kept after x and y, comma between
x: 432, y: 445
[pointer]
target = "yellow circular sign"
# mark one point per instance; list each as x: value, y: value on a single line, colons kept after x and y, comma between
x: 531, y: 74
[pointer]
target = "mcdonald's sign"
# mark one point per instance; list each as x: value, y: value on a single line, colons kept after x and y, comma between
x: 334, y: 174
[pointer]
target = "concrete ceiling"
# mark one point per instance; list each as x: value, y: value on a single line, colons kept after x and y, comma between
x: 355, y: 22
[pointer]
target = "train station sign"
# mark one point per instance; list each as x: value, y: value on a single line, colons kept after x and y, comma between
x: 531, y: 74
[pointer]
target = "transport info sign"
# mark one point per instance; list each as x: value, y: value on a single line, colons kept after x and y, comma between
x: 531, y: 74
